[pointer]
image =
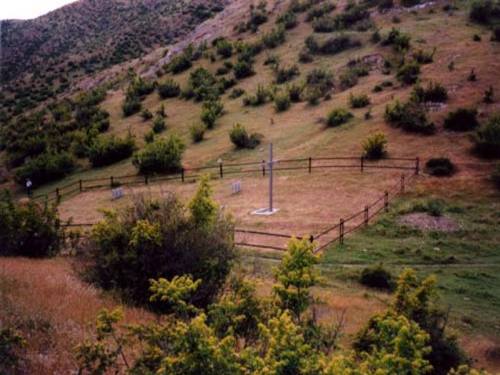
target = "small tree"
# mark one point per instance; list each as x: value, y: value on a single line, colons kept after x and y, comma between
x: 463, y: 119
x: 409, y: 73
x: 159, y: 125
x: 295, y: 275
x: 197, y: 132
x: 282, y: 102
x: 169, y: 89
x: 160, y: 156
x: 374, y: 146
x: 203, y: 208
x: 240, y: 138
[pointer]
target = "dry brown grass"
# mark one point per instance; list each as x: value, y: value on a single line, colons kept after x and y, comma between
x: 52, y: 308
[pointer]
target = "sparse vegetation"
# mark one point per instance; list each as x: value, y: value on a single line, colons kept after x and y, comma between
x: 241, y: 139
x: 197, y: 132
x: 375, y: 146
x: 487, y: 138
x: 282, y: 101
x: 338, y: 116
x: 169, y: 89
x: 108, y: 150
x: 359, y: 101
x: 410, y: 116
x: 409, y: 73
x: 434, y: 92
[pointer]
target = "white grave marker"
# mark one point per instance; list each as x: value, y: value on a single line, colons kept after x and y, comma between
x: 236, y: 187
x: 117, y: 193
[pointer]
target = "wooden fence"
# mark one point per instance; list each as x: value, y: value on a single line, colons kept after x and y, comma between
x: 262, y: 239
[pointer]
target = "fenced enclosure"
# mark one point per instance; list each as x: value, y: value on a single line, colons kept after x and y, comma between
x: 260, y: 239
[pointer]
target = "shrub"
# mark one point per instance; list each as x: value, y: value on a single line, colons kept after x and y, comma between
x: 320, y: 11
x: 320, y: 81
x: 146, y: 114
x: 169, y: 89
x: 46, y: 167
x: 305, y: 56
x: 162, y: 239
x: 197, y: 132
x: 495, y: 176
x: 398, y: 40
x: 434, y: 92
x: 131, y: 106
x: 487, y: 138
x: 359, y: 101
x: 495, y: 36
x: 332, y: 45
x: 484, y: 11
x: 180, y: 63
x: 243, y: 69
x: 408, y: 73
x: 161, y: 156
x: 240, y: 138
x: 236, y: 93
x: 282, y: 102
x: 28, y: 229
x: 261, y: 97
x: 338, y: 117
x: 202, y: 85
x: 410, y: 116
x: 285, y: 74
x: 423, y: 57
x: 109, y: 150
x: 463, y: 119
x: 224, y: 48
x: 274, y: 38
x: 11, y: 343
x: 149, y: 137
x: 374, y: 146
x: 210, y: 112
x: 288, y: 20
x: 489, y: 95
x: 159, y: 125
x: 440, y: 167
x: 295, y: 92
x: 377, y: 277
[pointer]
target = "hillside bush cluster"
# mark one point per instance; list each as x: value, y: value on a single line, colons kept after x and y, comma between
x: 331, y: 45
x: 11, y: 346
x: 487, y: 138
x: 484, y: 11
x: 338, y: 116
x: 398, y: 40
x: 288, y: 20
x: 160, y: 156
x: 285, y: 73
x: 43, y: 145
x: 434, y: 92
x: 359, y: 101
x: 197, y: 132
x: 377, y: 277
x: 162, y: 239
x: 241, y: 139
x: 282, y: 101
x: 320, y: 10
x: 319, y: 83
x: 462, y: 119
x: 261, y: 96
x: 410, y: 116
x: 257, y: 17
x: 109, y: 150
x: 211, y: 110
x: 408, y: 73
x: 240, y: 333
x: 28, y: 229
x: 169, y: 89
x: 440, y: 167
x: 495, y: 176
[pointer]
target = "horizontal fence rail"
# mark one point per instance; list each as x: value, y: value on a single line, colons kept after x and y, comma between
x: 335, y: 232
x: 254, y: 168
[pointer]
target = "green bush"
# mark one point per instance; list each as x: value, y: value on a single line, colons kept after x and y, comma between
x: 162, y: 239
x: 146, y: 114
x: 495, y: 36
x: 197, y: 132
x: 46, y: 167
x: 295, y: 92
x: 285, y: 74
x: 130, y: 106
x: 487, y: 138
x: 240, y: 138
x: 243, y: 69
x: 423, y: 57
x: 159, y: 125
x: 377, y: 277
x: 359, y: 101
x: 282, y: 102
x: 288, y: 20
x: 11, y: 344
x: 484, y: 11
x: 410, y: 116
x: 338, y: 117
x: 374, y: 146
x: 160, y: 156
x: 274, y: 38
x: 398, y: 40
x: 224, y: 48
x: 28, y: 229
x: 320, y: 11
x: 463, y: 119
x: 180, y: 63
x: 236, y: 93
x: 408, y: 73
x: 261, y: 97
x: 440, y: 167
x: 202, y: 85
x: 319, y: 81
x: 109, y: 150
x: 434, y: 92
x: 169, y: 89
x: 211, y: 111
x: 331, y: 45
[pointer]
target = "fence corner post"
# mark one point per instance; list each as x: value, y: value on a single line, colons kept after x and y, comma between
x: 362, y: 159
x: 146, y: 179
x: 80, y: 183
x: 263, y: 167
x: 386, y: 201
x: 367, y: 215
x: 182, y: 174
x: 402, y: 183
x: 417, y: 166
x: 221, y: 170
x: 310, y: 165
x: 111, y: 181
x: 58, y: 196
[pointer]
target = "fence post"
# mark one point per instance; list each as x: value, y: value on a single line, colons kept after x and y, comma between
x: 362, y: 163
x: 341, y: 232
x: 311, y: 238
x: 58, y: 196
x: 386, y: 201
x: 367, y: 215
x: 182, y: 174
x: 263, y: 167
x: 310, y: 165
x: 80, y: 184
x: 402, y: 184
x: 111, y: 181
x: 417, y: 165
x: 221, y: 170
x: 146, y: 179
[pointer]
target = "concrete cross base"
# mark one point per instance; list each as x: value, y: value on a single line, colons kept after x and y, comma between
x: 265, y: 211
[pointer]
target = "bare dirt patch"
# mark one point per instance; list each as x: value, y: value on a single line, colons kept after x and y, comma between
x: 426, y: 222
